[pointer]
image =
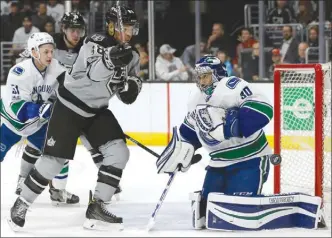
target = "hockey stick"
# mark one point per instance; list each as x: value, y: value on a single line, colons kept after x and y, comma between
x: 122, y: 34
x: 196, y: 158
x: 142, y: 146
x: 120, y: 22
x: 152, y: 220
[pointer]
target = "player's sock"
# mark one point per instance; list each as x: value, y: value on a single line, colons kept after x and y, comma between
x: 58, y: 192
x: 29, y: 158
x: 98, y: 160
x: 60, y: 181
x: 107, y: 183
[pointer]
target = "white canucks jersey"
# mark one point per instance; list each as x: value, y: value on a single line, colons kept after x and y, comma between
x: 231, y: 92
x: 25, y: 83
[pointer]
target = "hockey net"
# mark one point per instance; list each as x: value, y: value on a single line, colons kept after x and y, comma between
x: 302, y: 130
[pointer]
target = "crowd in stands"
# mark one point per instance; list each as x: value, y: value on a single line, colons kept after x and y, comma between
x: 19, y: 19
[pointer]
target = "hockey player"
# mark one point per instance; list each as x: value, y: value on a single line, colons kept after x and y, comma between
x: 25, y: 106
x: 226, y: 116
x: 105, y: 67
x: 68, y: 43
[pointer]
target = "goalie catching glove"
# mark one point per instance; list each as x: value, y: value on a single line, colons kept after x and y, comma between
x: 178, y: 154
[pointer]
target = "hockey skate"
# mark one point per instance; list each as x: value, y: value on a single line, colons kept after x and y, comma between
x: 18, y: 213
x: 20, y: 181
x: 61, y: 196
x: 98, y: 217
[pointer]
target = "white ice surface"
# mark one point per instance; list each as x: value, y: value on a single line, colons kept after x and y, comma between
x: 142, y: 187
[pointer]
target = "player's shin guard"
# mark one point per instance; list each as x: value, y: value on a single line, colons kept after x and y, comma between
x: 29, y: 158
x: 97, y: 157
x: 229, y: 212
x: 35, y: 184
x: 108, y: 181
x: 198, y: 219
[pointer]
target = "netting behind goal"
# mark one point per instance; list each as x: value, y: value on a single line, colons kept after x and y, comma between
x: 303, y: 130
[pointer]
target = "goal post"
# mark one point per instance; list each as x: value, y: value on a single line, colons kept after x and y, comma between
x: 302, y: 129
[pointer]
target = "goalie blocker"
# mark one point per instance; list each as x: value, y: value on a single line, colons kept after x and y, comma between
x: 252, y: 213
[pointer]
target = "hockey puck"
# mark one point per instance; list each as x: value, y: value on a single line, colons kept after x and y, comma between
x: 275, y: 159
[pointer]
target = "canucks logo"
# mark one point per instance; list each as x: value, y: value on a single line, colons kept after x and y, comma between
x: 18, y: 70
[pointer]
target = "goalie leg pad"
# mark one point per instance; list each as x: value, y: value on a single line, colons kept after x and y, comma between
x: 229, y: 213
x: 198, y: 217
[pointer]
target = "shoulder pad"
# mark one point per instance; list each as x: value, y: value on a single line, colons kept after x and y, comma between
x: 18, y: 70
x: 100, y: 40
x: 232, y: 82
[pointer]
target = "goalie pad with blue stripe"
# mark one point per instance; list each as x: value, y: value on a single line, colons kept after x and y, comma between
x: 229, y: 213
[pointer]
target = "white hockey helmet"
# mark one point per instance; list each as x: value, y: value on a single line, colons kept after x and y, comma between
x: 38, y: 39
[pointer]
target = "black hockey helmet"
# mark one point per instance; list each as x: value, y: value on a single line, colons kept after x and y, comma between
x: 128, y: 18
x: 72, y: 20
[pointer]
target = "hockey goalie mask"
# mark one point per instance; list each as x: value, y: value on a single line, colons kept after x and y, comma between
x: 209, y: 71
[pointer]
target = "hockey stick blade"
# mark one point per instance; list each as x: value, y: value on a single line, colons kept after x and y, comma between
x: 152, y: 220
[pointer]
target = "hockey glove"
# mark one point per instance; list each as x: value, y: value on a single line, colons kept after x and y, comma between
x: 45, y: 111
x: 210, y: 121
x: 129, y: 94
x: 118, y: 56
x: 231, y: 127
x: 31, y: 110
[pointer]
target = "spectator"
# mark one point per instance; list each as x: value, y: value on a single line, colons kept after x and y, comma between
x: 27, y: 8
x: 169, y: 67
x: 81, y: 7
x: 140, y: 47
x: 56, y: 10
x: 39, y: 20
x: 22, y: 34
x: 49, y: 27
x: 246, y: 41
x: 289, y: 46
x: 144, y: 62
x: 144, y: 66
x: 225, y: 60
x: 281, y: 14
x: 276, y: 59
x: 5, y: 7
x: 312, y: 5
x: 306, y: 13
x: 253, y: 64
x: 217, y: 40
x: 303, y: 46
x: 10, y: 22
x: 188, y: 56
x: 313, y: 36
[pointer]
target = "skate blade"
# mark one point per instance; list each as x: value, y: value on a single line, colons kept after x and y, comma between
x: 64, y: 204
x: 13, y: 226
x: 92, y: 224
